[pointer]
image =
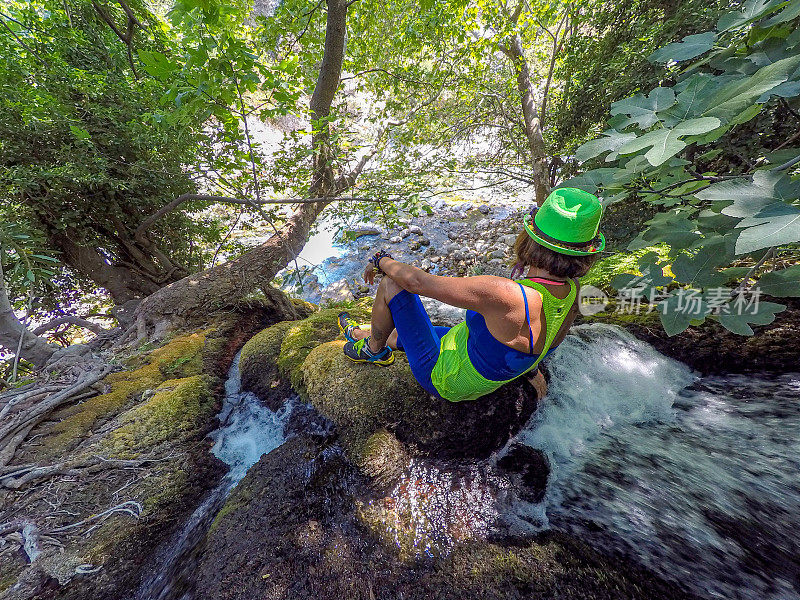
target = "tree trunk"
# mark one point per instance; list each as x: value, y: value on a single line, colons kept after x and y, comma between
x: 122, y: 282
x: 533, y: 126
x: 194, y: 297
x: 33, y: 348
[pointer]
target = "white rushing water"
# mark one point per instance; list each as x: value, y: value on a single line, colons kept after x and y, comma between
x: 695, y: 478
x: 248, y: 429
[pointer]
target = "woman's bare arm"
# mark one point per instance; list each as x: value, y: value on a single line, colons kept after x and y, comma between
x: 480, y: 293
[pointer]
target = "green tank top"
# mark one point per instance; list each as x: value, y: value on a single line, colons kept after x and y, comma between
x: 455, y: 377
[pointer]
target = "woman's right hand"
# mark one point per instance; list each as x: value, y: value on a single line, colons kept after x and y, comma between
x: 539, y: 384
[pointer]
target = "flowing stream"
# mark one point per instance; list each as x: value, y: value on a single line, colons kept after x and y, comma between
x: 695, y: 478
x: 247, y: 431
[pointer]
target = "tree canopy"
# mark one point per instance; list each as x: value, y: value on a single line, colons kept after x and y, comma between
x: 123, y: 122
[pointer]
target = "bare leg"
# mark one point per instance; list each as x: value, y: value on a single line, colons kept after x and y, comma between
x: 382, y: 322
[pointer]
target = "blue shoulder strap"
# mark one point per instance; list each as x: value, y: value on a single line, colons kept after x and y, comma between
x: 527, y: 318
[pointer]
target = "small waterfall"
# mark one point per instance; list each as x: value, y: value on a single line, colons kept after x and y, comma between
x: 247, y: 431
x: 695, y: 478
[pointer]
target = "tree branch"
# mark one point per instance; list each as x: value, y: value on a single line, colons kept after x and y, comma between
x: 744, y: 286
x: 554, y: 54
x: 145, y: 225
x: 23, y: 44
x: 127, y: 37
x: 788, y: 164
x: 72, y: 320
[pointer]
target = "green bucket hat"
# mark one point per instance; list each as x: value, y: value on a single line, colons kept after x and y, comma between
x: 567, y: 221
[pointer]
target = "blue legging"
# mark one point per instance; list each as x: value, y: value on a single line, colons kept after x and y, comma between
x: 416, y: 336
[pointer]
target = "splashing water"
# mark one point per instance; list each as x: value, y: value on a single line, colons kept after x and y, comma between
x: 247, y: 431
x: 695, y: 478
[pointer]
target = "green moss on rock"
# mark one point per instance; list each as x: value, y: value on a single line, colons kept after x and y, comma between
x: 303, y: 336
x: 264, y: 348
x: 181, y: 357
x: 237, y: 500
x: 360, y: 398
x: 278, y: 351
x: 383, y: 458
x: 613, y: 316
x: 604, y: 270
x: 178, y: 408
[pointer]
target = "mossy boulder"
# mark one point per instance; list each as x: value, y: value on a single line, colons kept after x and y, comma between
x: 178, y: 408
x: 180, y: 357
x: 270, y: 361
x: 370, y: 405
x: 363, y: 399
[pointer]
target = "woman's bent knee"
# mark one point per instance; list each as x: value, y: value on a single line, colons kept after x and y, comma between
x: 390, y: 288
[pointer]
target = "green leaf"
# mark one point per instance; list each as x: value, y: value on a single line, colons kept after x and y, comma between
x: 789, y: 13
x: 591, y: 180
x: 751, y: 197
x: 773, y: 230
x: 788, y: 89
x: 752, y: 9
x: 691, y: 46
x: 611, y: 140
x: 779, y: 157
x: 642, y: 110
x: 735, y: 272
x: 79, y: 132
x: 693, y: 95
x: 699, y: 270
x: 737, y: 96
x: 739, y: 322
x: 677, y: 231
x: 782, y: 283
x: 651, y: 276
x: 666, y: 143
x: 681, y: 309
x: 156, y: 64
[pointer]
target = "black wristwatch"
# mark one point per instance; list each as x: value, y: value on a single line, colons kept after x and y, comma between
x: 376, y: 260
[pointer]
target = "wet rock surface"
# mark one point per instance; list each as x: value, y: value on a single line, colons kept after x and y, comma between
x: 292, y: 530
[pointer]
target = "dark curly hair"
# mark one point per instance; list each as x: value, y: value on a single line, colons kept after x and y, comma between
x: 530, y: 253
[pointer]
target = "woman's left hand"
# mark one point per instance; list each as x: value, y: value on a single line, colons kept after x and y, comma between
x: 369, y: 274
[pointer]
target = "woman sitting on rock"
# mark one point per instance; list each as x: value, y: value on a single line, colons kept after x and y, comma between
x: 507, y: 331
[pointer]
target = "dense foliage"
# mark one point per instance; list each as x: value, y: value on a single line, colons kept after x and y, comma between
x: 81, y: 159
x: 605, y: 58
x: 668, y: 146
x: 111, y: 111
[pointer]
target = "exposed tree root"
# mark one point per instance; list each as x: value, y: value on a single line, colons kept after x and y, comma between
x: 27, y: 535
x: 22, y: 411
x: 17, y: 477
